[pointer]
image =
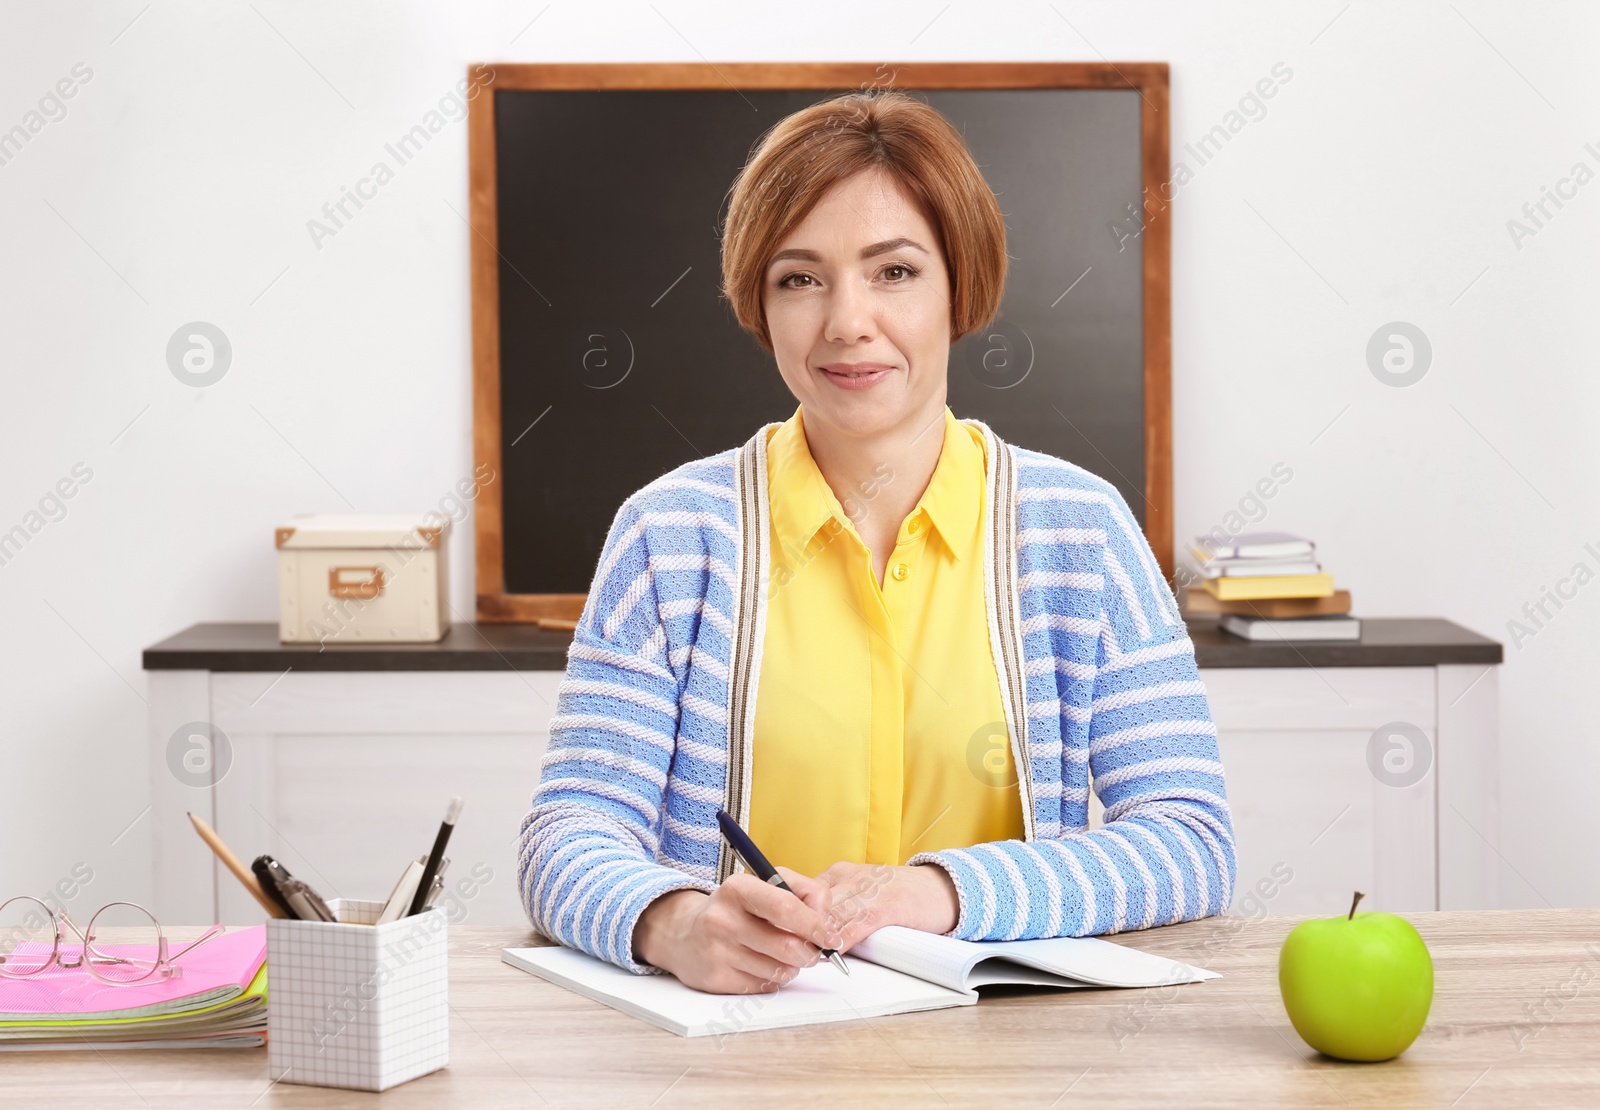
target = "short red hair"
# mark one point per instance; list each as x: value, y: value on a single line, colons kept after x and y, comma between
x: 805, y: 154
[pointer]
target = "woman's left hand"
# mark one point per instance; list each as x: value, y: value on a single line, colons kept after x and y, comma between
x: 865, y: 897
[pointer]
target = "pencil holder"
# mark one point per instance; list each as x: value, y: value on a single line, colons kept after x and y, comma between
x: 356, y: 1005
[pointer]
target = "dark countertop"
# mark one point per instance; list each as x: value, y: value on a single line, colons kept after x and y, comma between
x: 255, y: 647
x: 1385, y: 642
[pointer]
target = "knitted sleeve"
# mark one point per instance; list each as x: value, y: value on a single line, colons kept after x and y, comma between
x: 587, y: 864
x: 1165, y: 852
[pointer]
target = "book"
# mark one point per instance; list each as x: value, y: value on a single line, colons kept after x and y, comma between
x: 1253, y: 545
x: 219, y: 970
x: 1300, y: 585
x: 1258, y: 568
x: 242, y: 1017
x: 220, y: 999
x: 254, y: 1040
x: 1307, y: 628
x: 1335, y: 604
x: 894, y: 971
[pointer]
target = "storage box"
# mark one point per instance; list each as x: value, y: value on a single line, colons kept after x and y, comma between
x: 359, y: 1006
x: 363, y: 579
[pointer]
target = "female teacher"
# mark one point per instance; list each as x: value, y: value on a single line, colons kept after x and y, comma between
x: 891, y: 645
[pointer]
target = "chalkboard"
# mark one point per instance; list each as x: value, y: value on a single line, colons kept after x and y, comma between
x: 605, y: 355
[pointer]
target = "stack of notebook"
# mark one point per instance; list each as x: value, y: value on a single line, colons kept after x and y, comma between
x: 220, y: 1001
x: 1269, y: 586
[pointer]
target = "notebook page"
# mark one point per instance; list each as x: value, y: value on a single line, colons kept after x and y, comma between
x: 930, y: 956
x: 1010, y: 973
x: 820, y: 993
x: 1094, y: 961
x: 956, y: 963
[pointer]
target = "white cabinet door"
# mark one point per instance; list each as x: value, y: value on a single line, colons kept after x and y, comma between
x: 1313, y: 826
x: 345, y: 777
x: 1331, y: 779
x: 1313, y: 820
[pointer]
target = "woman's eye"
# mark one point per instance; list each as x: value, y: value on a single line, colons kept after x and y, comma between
x: 897, y: 273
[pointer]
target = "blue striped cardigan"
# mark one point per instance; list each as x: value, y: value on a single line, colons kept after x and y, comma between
x: 654, y: 720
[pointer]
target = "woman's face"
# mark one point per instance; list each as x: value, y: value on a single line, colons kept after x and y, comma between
x: 858, y: 307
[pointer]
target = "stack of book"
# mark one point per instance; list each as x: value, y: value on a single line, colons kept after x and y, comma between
x: 219, y: 1001
x: 1269, y: 586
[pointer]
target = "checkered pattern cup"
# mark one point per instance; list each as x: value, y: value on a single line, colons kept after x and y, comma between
x: 356, y: 1005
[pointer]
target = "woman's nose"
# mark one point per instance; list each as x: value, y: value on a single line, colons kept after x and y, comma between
x: 850, y: 312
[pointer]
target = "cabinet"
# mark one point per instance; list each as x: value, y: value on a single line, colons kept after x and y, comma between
x: 1341, y: 776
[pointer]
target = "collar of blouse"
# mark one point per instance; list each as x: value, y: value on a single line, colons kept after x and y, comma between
x: 803, y: 502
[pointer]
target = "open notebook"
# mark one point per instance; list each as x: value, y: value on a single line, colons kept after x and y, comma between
x: 894, y: 971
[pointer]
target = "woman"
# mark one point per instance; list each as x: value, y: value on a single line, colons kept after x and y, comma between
x: 892, y: 646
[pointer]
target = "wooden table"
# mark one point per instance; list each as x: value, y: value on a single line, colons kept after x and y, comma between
x: 1515, y: 1021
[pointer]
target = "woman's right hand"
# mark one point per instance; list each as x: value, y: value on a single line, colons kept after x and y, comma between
x: 745, y: 937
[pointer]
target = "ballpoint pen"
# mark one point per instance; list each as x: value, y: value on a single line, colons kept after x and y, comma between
x: 303, y: 902
x: 438, y: 886
x: 306, y: 903
x: 431, y: 868
x: 263, y: 868
x: 746, y: 849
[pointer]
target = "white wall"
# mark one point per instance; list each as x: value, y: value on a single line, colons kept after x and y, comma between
x: 179, y: 184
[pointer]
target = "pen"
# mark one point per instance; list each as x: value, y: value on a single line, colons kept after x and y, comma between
x: 741, y: 843
x: 295, y: 895
x: 305, y: 902
x: 267, y: 870
x: 400, y: 897
x: 232, y: 863
x: 438, y: 885
x: 431, y: 868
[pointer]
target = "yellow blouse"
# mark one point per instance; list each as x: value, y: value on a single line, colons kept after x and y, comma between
x: 879, y: 729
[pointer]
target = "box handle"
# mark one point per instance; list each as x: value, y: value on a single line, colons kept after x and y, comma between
x: 369, y: 587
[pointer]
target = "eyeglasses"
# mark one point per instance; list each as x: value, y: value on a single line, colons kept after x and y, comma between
x: 31, y: 935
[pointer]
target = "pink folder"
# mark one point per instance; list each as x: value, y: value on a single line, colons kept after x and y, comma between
x: 217, y: 971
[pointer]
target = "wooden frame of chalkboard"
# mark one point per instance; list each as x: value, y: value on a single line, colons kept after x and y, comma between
x: 1152, y: 226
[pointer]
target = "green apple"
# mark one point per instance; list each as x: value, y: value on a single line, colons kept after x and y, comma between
x: 1356, y: 987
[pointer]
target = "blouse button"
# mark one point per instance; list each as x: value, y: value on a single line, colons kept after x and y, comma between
x: 915, y: 525
x: 901, y: 572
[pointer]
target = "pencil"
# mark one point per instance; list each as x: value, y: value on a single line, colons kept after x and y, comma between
x: 240, y: 871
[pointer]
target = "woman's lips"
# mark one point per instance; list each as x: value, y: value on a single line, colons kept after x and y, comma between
x: 855, y: 376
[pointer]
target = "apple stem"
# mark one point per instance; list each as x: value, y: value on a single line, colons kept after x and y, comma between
x: 1353, y: 904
